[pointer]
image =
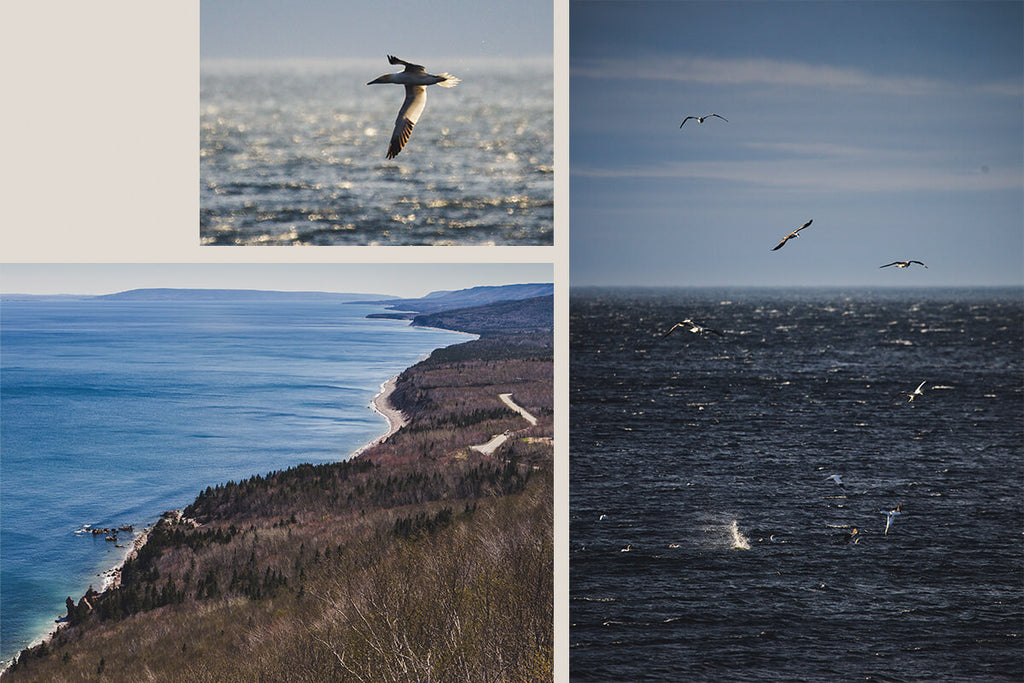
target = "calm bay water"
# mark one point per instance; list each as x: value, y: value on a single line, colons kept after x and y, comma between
x: 115, y: 411
x: 708, y: 458
x: 293, y: 153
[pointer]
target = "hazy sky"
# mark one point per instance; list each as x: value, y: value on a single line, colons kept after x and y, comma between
x: 413, y: 29
x: 404, y: 280
x: 897, y: 127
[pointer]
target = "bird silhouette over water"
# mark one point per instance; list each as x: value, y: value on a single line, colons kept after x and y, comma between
x: 915, y: 392
x: 415, y: 79
x: 792, y: 235
x: 701, y: 119
x: 692, y: 327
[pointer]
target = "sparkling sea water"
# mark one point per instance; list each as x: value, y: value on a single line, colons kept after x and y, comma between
x: 114, y: 411
x: 292, y: 152
x: 709, y: 457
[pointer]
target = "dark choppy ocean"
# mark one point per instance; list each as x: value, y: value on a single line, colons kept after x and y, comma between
x: 293, y: 153
x: 709, y: 457
x: 114, y: 411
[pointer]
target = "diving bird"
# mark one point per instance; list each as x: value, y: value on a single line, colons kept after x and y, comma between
x: 415, y: 79
x: 692, y: 327
x: 915, y: 392
x: 902, y: 264
x: 700, y: 119
x: 889, y: 515
x: 792, y: 235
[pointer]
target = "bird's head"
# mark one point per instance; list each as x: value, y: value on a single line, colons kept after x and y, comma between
x: 386, y: 78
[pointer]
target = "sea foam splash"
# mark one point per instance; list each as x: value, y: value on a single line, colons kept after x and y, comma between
x: 739, y: 541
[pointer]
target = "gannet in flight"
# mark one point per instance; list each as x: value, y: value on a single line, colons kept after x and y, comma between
x: 628, y: 547
x: 700, y: 119
x: 792, y: 235
x: 693, y: 327
x: 902, y: 264
x: 915, y: 392
x: 889, y: 516
x: 415, y: 79
x: 837, y: 478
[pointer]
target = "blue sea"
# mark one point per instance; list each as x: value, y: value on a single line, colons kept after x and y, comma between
x: 292, y: 153
x: 708, y: 542
x: 114, y: 411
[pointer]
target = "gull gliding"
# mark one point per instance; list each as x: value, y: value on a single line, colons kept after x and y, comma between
x: 792, y: 235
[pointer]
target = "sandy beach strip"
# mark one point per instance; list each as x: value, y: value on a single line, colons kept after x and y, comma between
x: 381, y: 404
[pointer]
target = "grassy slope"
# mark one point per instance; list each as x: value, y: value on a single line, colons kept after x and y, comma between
x: 424, y: 560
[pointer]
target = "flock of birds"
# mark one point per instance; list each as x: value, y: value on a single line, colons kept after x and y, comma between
x: 696, y: 328
x: 795, y: 233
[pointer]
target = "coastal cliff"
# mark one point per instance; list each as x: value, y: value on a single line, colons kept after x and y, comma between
x: 421, y: 558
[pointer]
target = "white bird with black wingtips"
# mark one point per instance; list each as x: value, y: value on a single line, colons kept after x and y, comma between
x: 415, y: 79
x: 916, y: 392
x: 692, y: 327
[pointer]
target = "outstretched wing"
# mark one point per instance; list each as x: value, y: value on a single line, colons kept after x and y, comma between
x: 408, y: 115
x: 409, y: 66
x: 673, y: 329
x: 917, y: 262
x: 721, y: 117
x: 889, y: 264
x: 792, y: 234
x: 686, y: 119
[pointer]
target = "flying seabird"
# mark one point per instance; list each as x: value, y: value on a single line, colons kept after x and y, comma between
x: 628, y: 547
x: 700, y: 119
x: 693, y: 327
x: 415, y: 79
x: 792, y: 234
x: 915, y: 392
x: 837, y: 478
x: 889, y: 516
x: 902, y: 264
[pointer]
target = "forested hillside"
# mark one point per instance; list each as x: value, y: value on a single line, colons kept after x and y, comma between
x: 423, y: 559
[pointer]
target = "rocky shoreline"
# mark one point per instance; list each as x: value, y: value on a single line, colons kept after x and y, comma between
x: 111, y: 578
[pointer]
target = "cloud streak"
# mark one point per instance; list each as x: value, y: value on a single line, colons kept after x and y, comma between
x: 819, y: 174
x: 773, y: 72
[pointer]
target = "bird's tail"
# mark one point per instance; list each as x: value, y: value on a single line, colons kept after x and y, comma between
x: 449, y: 81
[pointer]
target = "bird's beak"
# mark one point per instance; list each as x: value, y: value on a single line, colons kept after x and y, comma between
x: 379, y: 79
